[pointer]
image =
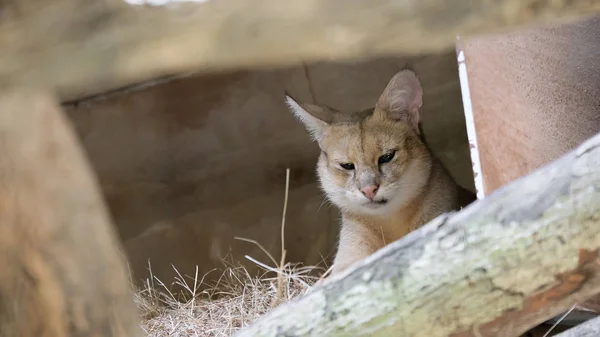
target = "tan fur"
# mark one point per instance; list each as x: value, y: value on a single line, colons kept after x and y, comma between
x: 414, y: 187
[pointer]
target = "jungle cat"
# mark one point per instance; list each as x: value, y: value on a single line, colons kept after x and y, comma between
x: 376, y: 167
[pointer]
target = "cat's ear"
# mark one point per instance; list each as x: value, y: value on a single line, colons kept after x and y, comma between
x: 315, y: 118
x: 402, y: 99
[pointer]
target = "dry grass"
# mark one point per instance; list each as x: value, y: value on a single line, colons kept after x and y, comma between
x: 231, y: 303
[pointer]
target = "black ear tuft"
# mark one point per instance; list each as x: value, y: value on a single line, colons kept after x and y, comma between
x: 287, y: 94
x: 409, y: 66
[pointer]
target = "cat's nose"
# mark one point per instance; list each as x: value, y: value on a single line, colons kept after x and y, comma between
x: 369, y: 191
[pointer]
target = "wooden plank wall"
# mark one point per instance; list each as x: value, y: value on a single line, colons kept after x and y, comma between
x: 535, y: 95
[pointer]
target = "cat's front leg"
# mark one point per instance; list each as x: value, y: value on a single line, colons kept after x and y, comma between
x: 356, y: 242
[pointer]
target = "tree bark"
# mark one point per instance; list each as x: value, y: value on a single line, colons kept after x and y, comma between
x: 75, y: 43
x: 61, y: 270
x: 500, y: 266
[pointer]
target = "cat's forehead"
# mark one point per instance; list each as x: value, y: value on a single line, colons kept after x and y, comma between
x: 364, y: 137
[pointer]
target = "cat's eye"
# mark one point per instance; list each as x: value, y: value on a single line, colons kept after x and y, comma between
x: 386, y: 158
x: 347, y: 166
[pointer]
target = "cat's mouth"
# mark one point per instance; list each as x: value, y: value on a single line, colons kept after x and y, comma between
x: 378, y: 202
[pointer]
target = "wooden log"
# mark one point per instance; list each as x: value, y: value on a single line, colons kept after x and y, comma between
x: 590, y: 328
x: 506, y: 263
x: 67, y: 44
x: 61, y: 270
